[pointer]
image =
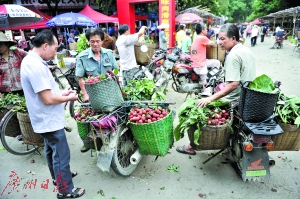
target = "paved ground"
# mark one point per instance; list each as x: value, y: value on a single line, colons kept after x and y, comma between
x: 214, y: 180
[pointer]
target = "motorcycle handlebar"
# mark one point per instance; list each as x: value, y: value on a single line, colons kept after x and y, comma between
x: 211, y: 83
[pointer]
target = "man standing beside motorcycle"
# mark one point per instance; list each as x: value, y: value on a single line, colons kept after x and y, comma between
x: 125, y: 45
x: 198, y: 55
x: 239, y: 65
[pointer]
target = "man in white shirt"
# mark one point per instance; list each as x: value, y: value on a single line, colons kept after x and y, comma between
x: 125, y: 45
x: 254, y: 34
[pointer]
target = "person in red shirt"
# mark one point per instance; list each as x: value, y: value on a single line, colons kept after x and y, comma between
x: 10, y: 64
x: 198, y: 55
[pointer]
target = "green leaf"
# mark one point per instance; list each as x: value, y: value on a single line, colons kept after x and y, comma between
x: 262, y: 83
x: 162, y: 188
x: 116, y: 71
x: 101, y: 192
x: 218, y: 103
x: 2, y: 149
x: 196, y: 136
x: 177, y: 131
x: 297, y: 120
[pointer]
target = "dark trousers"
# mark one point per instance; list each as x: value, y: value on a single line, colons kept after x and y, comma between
x: 253, y: 41
x: 262, y: 38
x: 57, y: 154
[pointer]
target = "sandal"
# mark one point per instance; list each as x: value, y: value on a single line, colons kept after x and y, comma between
x: 182, y: 150
x: 74, y: 173
x: 73, y: 194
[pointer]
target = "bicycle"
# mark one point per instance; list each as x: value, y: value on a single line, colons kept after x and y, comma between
x: 66, y: 79
x: 11, y: 135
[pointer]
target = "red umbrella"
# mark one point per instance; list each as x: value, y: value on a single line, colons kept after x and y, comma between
x: 12, y: 15
x: 187, y: 18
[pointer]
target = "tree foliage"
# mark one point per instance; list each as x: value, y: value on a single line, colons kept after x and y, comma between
x: 236, y: 10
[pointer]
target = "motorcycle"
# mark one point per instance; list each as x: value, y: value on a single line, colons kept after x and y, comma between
x: 250, y: 142
x: 114, y: 142
x: 185, y: 80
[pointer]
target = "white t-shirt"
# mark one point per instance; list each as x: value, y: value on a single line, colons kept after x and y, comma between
x: 254, y: 32
x: 125, y: 45
x: 36, y: 77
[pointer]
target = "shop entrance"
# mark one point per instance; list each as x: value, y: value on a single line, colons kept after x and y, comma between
x: 126, y: 15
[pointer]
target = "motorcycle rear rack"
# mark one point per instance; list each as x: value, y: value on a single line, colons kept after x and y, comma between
x: 264, y: 128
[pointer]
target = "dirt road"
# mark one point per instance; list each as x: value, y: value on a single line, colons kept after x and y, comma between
x: 214, y: 180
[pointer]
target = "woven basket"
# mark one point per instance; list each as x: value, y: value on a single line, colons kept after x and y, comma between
x: 212, y: 137
x: 83, y: 130
x: 289, y: 140
x: 13, y: 127
x: 73, y: 46
x: 142, y: 57
x: 215, y: 52
x: 29, y: 136
x: 154, y: 138
x: 104, y: 95
x: 256, y: 106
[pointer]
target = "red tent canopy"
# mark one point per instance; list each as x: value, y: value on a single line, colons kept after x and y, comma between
x: 256, y: 21
x: 137, y: 17
x: 40, y: 24
x: 97, y: 16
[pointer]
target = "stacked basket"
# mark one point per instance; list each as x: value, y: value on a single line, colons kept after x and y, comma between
x: 289, y: 140
x: 105, y: 95
x: 215, y: 52
x: 83, y: 130
x: 29, y: 136
x: 154, y: 138
x: 212, y: 137
x: 142, y: 57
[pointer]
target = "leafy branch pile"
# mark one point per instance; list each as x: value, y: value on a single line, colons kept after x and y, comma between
x: 10, y: 100
x: 288, y: 109
x: 143, y: 89
x: 84, y: 113
x: 82, y: 43
x: 189, y: 114
x: 91, y: 79
x: 264, y: 84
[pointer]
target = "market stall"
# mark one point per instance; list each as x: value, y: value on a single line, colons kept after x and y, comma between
x: 287, y: 18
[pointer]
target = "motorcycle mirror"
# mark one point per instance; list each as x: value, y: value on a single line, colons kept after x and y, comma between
x: 144, y: 48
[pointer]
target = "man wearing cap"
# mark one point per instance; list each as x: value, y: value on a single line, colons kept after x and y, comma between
x: 163, y: 40
x: 187, y: 42
x: 125, y: 45
x: 10, y: 63
x: 180, y: 34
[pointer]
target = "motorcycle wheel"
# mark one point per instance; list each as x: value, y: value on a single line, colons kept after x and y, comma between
x: 276, y: 45
x: 125, y: 147
x: 237, y: 155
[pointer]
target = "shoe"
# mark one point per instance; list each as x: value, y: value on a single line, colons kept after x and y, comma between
x: 205, y: 94
x: 73, y: 194
x: 20, y: 137
x: 182, y: 150
x: 74, y: 173
x: 84, y: 149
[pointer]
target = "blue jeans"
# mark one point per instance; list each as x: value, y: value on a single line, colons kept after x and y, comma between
x: 57, y: 154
